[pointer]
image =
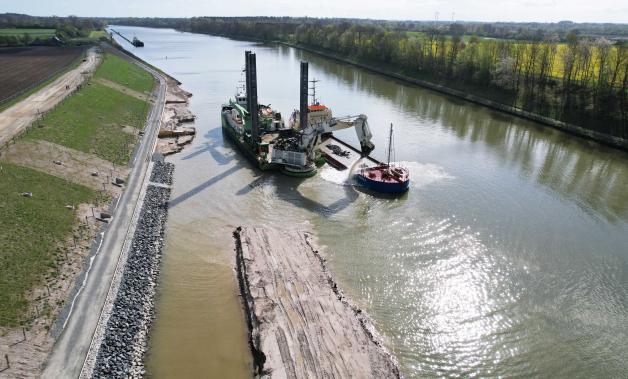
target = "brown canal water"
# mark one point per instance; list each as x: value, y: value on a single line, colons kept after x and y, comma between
x: 507, y: 257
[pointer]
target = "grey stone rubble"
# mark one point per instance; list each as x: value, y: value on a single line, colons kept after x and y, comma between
x: 162, y: 173
x: 124, y: 343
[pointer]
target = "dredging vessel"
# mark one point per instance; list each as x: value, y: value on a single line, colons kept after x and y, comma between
x: 262, y: 135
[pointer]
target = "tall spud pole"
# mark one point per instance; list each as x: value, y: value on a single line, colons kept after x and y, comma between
x: 303, y: 95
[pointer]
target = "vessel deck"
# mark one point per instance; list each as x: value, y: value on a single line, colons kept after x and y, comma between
x: 341, y: 162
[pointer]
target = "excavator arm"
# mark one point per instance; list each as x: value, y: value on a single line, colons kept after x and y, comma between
x: 310, y: 136
x: 364, y: 135
x: 359, y: 123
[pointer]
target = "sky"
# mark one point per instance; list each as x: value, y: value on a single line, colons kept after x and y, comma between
x: 615, y: 11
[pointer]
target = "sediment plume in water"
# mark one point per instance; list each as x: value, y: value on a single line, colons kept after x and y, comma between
x: 354, y: 169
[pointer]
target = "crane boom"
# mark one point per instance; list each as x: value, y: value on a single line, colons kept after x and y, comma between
x: 310, y: 136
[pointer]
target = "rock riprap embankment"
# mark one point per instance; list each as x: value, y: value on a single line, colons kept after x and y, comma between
x: 124, y: 341
x: 162, y: 173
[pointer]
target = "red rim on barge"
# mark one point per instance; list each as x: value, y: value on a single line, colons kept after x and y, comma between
x: 386, y: 177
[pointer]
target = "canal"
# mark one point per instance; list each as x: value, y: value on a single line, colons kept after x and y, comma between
x: 507, y: 257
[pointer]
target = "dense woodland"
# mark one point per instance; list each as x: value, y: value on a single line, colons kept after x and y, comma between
x: 576, y: 73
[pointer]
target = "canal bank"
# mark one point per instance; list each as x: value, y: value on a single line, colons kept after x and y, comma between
x: 500, y: 260
x: 576, y: 130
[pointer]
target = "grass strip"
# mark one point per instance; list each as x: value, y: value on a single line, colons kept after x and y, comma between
x: 125, y: 73
x: 32, y: 232
x: 93, y: 120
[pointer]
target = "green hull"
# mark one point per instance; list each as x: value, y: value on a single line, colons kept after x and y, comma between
x: 251, y: 153
x: 299, y: 174
x: 245, y: 148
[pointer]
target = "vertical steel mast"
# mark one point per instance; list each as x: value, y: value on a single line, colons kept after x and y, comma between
x: 390, y: 144
x: 251, y: 93
x: 303, y: 95
x: 247, y: 83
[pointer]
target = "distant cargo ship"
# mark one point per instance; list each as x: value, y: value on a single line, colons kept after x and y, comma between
x: 137, y: 43
x: 386, y: 178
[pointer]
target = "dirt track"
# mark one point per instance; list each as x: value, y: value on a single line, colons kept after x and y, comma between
x: 15, y: 119
x: 123, y: 89
x: 73, y: 165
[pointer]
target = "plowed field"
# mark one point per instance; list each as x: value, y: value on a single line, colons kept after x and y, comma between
x: 23, y: 68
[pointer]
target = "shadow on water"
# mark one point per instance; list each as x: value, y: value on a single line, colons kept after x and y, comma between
x: 214, y: 139
x: 194, y: 191
x: 290, y: 193
x: 254, y: 184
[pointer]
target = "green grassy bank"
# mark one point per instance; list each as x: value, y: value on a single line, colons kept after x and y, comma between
x: 94, y: 119
x: 122, y: 72
x: 32, y: 232
x: 33, y: 33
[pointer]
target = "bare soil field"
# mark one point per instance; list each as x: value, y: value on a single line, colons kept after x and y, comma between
x: 25, y: 67
x: 63, y: 162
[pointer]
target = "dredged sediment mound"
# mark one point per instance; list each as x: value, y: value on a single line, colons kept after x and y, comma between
x: 300, y: 323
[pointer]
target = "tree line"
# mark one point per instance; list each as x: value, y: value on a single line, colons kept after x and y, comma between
x: 582, y: 81
x: 576, y: 78
x: 16, y: 20
x: 65, y: 28
x: 499, y: 30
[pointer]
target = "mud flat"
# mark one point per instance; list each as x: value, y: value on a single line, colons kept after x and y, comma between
x: 173, y: 135
x: 300, y: 323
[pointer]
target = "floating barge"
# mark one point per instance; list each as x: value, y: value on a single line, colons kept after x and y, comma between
x: 341, y: 155
x: 300, y: 323
x: 135, y: 42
